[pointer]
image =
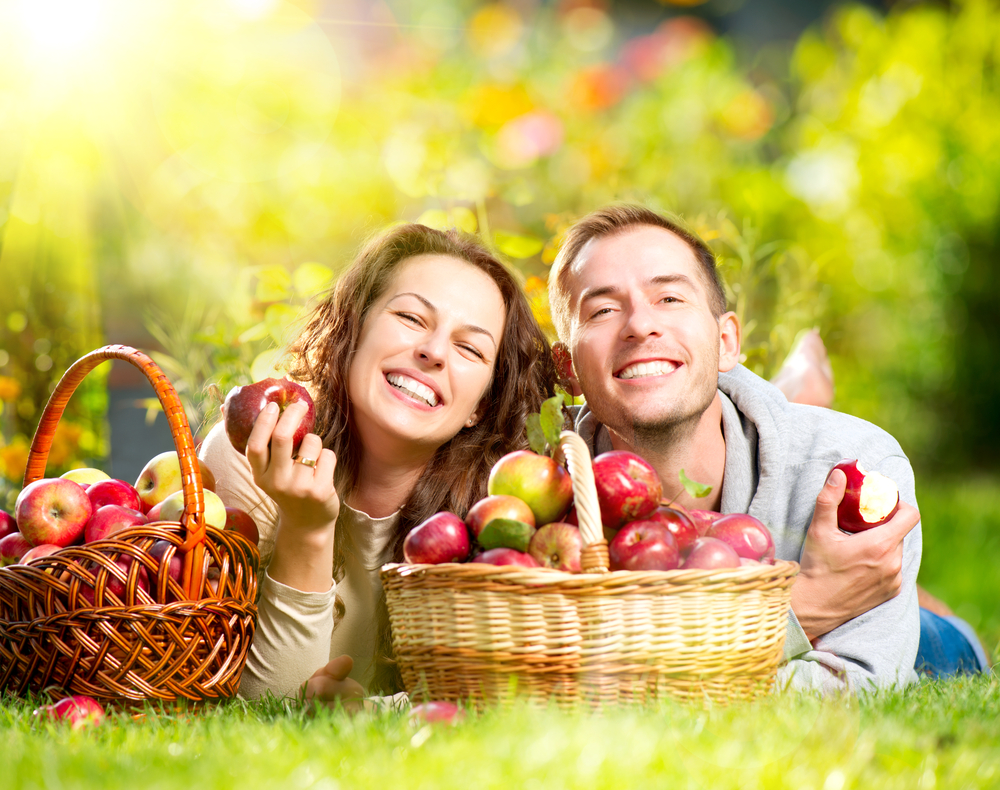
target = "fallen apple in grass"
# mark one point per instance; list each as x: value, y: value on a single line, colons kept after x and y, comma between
x: 441, y: 538
x: 78, y: 711
x: 557, y: 545
x: 746, y: 535
x: 506, y: 557
x: 871, y: 499
x: 52, y: 510
x: 437, y: 712
x: 12, y: 548
x: 161, y: 477
x: 535, y: 479
x: 644, y: 546
x: 628, y: 488
x: 711, y: 554
x: 244, y: 404
x: 109, y: 519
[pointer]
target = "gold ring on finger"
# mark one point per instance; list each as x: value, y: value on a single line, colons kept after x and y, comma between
x: 310, y: 462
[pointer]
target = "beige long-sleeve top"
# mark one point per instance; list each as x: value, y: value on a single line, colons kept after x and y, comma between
x: 295, y: 630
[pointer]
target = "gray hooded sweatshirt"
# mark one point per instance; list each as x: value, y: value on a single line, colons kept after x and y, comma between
x: 778, y: 456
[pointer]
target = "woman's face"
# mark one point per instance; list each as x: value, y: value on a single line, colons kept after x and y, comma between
x: 425, y: 356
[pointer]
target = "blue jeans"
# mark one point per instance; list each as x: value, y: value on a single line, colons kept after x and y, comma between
x: 948, y: 646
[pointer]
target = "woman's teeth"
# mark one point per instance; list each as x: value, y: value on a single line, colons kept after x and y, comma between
x: 643, y: 369
x: 413, y: 388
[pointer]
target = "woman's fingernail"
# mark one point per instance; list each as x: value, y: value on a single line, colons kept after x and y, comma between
x: 271, y: 408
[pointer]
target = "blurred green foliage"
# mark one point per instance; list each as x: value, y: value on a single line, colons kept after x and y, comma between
x: 176, y: 169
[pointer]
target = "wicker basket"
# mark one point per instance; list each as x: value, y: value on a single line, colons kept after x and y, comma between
x: 487, y: 634
x: 62, y: 623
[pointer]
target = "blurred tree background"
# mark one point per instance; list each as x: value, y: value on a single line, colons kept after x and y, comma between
x: 188, y: 174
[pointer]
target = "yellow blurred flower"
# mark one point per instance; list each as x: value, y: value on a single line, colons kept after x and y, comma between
x: 10, y: 389
x: 65, y: 443
x: 748, y: 116
x: 13, y: 458
x: 494, y: 30
x: 537, y: 292
x: 490, y: 106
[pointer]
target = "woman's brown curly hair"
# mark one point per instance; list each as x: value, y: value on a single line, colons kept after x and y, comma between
x: 455, y: 478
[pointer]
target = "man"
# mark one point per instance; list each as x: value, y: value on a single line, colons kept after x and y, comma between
x: 638, y: 306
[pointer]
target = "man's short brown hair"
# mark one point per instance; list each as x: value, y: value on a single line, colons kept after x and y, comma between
x: 611, y: 221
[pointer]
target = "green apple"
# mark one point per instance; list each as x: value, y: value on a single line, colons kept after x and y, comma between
x: 161, y: 477
x: 535, y: 479
x: 85, y: 476
x: 172, y: 508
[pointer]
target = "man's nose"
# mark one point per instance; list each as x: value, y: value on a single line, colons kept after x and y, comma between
x: 640, y: 323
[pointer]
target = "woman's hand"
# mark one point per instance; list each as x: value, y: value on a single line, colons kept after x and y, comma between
x: 301, y: 486
x: 330, y: 685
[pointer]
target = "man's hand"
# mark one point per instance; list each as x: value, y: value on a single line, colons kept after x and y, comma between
x: 843, y: 576
x: 330, y: 685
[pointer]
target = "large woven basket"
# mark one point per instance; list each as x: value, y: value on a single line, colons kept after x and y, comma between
x: 61, y: 624
x: 486, y: 634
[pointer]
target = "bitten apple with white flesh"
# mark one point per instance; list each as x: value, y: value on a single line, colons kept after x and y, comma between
x: 871, y: 499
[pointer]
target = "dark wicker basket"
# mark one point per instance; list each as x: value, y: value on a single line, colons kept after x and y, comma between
x: 80, y: 621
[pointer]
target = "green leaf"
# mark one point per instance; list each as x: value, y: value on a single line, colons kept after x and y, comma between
x: 311, y: 278
x: 697, y: 490
x: 278, y: 318
x: 551, y: 419
x: 517, y: 246
x: 536, y: 436
x: 256, y: 332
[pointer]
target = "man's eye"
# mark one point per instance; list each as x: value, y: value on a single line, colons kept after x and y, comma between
x: 602, y: 311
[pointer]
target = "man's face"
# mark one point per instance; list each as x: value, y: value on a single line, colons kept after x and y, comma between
x: 646, y: 347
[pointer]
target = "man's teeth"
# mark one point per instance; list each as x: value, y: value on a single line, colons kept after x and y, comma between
x: 642, y: 369
x: 413, y: 388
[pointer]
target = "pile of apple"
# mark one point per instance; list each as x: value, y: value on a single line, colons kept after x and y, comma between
x: 86, y: 505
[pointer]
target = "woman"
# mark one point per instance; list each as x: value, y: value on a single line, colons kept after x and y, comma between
x: 424, y: 362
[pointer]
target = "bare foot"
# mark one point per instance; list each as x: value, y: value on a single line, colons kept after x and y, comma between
x: 806, y: 375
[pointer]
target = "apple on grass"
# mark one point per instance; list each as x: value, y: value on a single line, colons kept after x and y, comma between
x: 12, y: 548
x: 78, y: 711
x: 53, y: 510
x: 680, y: 525
x: 436, y: 712
x: 871, y: 499
x: 628, y: 488
x: 114, y: 492
x: 109, y: 519
x: 746, y: 535
x: 244, y: 404
x: 506, y: 557
x: 441, y: 538
x: 644, y: 546
x: 557, y: 545
x: 161, y: 477
x: 711, y: 554
x: 536, y: 480
x: 172, y: 508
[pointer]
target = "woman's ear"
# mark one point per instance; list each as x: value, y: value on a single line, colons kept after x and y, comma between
x: 564, y: 369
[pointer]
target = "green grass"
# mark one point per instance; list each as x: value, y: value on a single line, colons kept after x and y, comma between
x: 937, y: 734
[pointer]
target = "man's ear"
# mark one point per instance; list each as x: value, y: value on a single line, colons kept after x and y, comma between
x: 730, y: 337
x: 564, y: 369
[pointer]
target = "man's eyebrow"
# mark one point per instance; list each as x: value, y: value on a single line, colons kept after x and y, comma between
x: 430, y: 306
x: 594, y: 293
x: 671, y: 279
x: 612, y: 290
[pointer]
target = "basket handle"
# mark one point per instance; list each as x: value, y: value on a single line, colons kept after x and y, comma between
x: 193, y: 519
x: 594, y: 558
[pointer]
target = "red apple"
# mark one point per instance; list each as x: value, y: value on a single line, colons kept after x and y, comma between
x: 109, y: 519
x: 506, y: 557
x: 78, y: 711
x: 158, y: 552
x: 680, y: 526
x: 747, y: 536
x: 871, y: 498
x: 114, y: 492
x: 242, y: 522
x: 628, y: 487
x: 244, y: 404
x: 213, y: 577
x: 710, y: 554
x: 8, y: 526
x: 161, y: 477
x: 53, y: 510
x: 497, y: 506
x: 703, y: 519
x: 117, y: 586
x: 42, y: 550
x: 437, y: 712
x: 557, y: 545
x: 441, y: 538
x: 153, y: 514
x: 644, y: 546
x: 535, y: 479
x: 12, y: 548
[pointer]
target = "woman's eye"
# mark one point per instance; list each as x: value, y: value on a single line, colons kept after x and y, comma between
x: 474, y: 351
x: 409, y: 317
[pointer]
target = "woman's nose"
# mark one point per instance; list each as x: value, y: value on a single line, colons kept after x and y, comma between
x: 431, y: 350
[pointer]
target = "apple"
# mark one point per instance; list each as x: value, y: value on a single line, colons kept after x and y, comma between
x: 644, y: 546
x: 172, y: 508
x: 506, y: 533
x: 557, y: 545
x: 244, y: 404
x: 441, y: 538
x: 41, y: 550
x: 437, y: 712
x: 153, y: 514
x: 535, y: 479
x: 242, y: 522
x: 114, y: 492
x: 109, y: 519
x: 158, y: 552
x: 212, y: 579
x: 871, y: 498
x: 746, y: 562
x: 703, y: 519
x: 679, y: 524
x: 118, y: 586
x: 78, y: 711
x: 747, y: 536
x: 161, y: 477
x: 628, y: 487
x: 710, y: 554
x: 497, y: 506
x: 85, y: 477
x: 52, y: 510
x: 8, y: 525
x: 12, y: 548
x: 506, y: 557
